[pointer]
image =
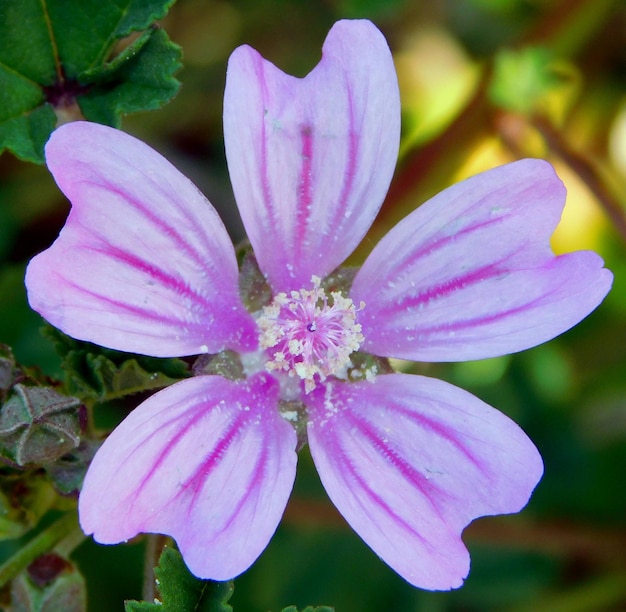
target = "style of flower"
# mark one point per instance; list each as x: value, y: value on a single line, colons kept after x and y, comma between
x: 144, y: 265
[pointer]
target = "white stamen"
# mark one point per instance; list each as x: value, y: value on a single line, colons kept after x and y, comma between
x: 310, y: 337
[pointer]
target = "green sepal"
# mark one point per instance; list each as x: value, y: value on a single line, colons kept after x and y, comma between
x: 49, y: 584
x: 254, y: 289
x: 38, y: 425
x: 181, y: 590
x: 57, y: 57
x: 104, y: 374
x: 68, y: 472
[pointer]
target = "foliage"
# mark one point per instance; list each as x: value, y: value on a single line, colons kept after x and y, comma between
x: 55, y: 55
x: 180, y: 590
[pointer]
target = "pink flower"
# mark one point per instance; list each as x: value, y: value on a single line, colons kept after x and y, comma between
x: 144, y: 264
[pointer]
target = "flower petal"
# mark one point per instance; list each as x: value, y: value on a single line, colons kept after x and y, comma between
x: 208, y: 461
x: 470, y: 274
x: 311, y: 159
x: 409, y: 461
x: 143, y: 263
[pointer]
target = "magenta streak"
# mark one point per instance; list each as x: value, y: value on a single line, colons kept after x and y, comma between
x: 304, y: 197
x: 166, y: 280
x: 170, y: 446
x: 271, y: 221
x: 415, y: 478
x: 135, y: 310
x: 441, y: 431
x: 439, y: 291
x: 165, y: 229
x: 394, y: 272
x: 467, y: 323
x: 349, y: 172
x: 197, y: 481
x: 339, y: 458
x: 212, y: 460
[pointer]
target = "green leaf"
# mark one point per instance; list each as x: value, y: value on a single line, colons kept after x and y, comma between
x: 104, y: 374
x: 61, y: 59
x: 181, y: 590
x: 309, y: 609
x: 141, y: 81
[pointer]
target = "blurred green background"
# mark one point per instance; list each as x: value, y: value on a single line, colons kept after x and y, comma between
x: 483, y: 82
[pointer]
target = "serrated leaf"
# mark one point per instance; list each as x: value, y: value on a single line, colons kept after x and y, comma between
x: 181, y: 590
x: 105, y: 374
x: 56, y: 56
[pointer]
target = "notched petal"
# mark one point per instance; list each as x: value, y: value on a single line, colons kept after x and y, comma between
x: 311, y: 159
x: 143, y: 263
x: 470, y: 274
x: 207, y: 461
x: 409, y: 461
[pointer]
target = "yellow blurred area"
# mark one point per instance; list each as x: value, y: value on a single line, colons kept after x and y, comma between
x: 583, y: 223
x: 617, y: 141
x: 436, y: 79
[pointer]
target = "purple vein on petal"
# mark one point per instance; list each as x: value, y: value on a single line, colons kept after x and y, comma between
x: 207, y: 466
x: 412, y: 259
x: 415, y: 478
x: 460, y: 324
x: 176, y: 285
x: 304, y: 196
x: 442, y: 290
x: 136, y: 310
x: 204, y: 471
x: 340, y: 458
x: 182, y: 244
x: 349, y: 176
x: 271, y: 220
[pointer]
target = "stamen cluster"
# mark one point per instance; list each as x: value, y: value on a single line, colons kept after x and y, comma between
x: 311, y: 334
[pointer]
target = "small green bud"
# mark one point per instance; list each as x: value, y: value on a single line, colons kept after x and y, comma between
x: 38, y: 425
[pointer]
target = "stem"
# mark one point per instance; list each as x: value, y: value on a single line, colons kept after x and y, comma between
x: 154, y: 546
x: 40, y: 544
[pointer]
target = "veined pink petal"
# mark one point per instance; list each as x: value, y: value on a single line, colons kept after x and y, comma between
x: 143, y: 263
x: 207, y: 461
x: 409, y: 461
x: 311, y: 159
x: 470, y: 274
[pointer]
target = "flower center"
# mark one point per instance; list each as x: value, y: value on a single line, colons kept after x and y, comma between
x: 310, y: 333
